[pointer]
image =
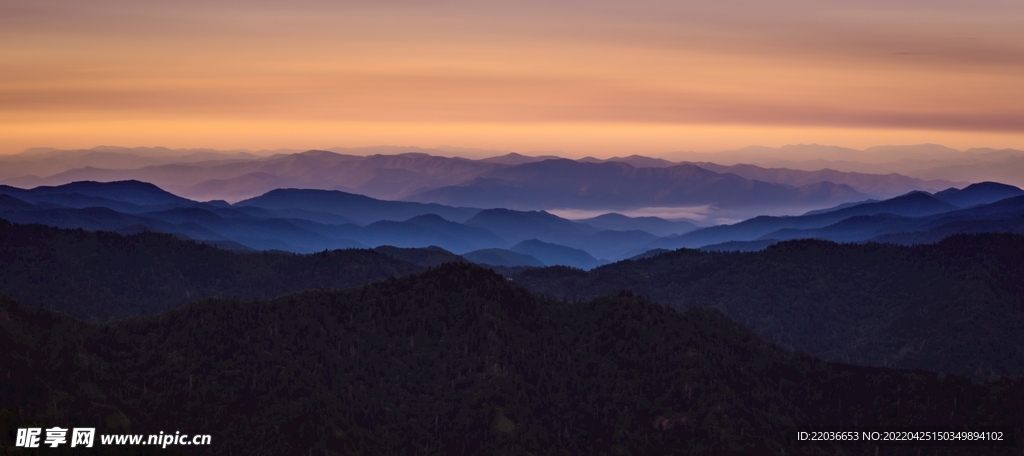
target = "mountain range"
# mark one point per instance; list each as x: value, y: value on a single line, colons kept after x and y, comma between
x: 315, y: 220
x: 426, y: 174
x: 977, y: 208
x: 614, y: 185
x: 922, y: 161
x: 873, y: 184
x: 392, y: 300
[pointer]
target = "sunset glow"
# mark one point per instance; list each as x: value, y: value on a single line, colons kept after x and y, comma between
x: 584, y: 78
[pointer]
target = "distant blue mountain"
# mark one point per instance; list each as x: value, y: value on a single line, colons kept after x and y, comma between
x: 1002, y: 216
x: 565, y: 183
x: 614, y: 245
x: 980, y: 193
x: 315, y: 216
x: 361, y: 209
x: 852, y: 229
x: 79, y: 201
x: 395, y: 173
x: 314, y: 220
x: 654, y: 225
x: 132, y: 206
x: 300, y: 220
x: 1002, y: 208
x: 883, y: 185
x: 914, y: 204
x: 554, y: 254
x: 130, y: 191
x: 8, y: 202
x: 430, y: 229
x: 1006, y: 216
x: 516, y: 226
x: 840, y: 206
x: 256, y: 232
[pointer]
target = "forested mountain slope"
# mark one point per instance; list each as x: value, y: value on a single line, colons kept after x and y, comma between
x: 956, y: 306
x: 458, y: 360
x: 101, y: 275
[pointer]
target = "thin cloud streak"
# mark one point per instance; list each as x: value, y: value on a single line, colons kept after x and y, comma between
x: 692, y: 213
x: 460, y: 99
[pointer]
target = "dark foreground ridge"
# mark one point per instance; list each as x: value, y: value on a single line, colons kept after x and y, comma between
x: 459, y: 360
x: 97, y: 275
x: 956, y: 306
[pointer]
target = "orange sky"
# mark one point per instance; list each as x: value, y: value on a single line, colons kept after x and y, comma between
x: 584, y: 77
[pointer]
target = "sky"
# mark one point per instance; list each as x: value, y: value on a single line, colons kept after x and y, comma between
x: 595, y: 77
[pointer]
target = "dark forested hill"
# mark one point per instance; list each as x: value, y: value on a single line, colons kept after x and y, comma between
x: 100, y: 275
x: 459, y: 360
x: 956, y: 306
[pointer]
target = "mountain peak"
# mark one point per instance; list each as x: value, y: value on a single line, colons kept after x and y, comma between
x: 128, y: 191
x: 318, y: 153
x: 514, y: 158
x: 979, y: 193
x: 298, y: 197
x: 123, y: 184
x: 556, y: 254
x: 989, y: 185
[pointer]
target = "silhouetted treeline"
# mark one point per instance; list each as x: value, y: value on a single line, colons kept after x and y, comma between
x: 459, y: 360
x: 956, y: 306
x: 96, y: 275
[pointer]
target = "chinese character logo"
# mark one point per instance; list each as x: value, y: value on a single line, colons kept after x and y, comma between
x: 56, y: 436
x: 83, y: 436
x: 28, y: 438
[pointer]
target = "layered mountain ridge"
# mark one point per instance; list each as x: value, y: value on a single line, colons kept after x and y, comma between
x: 395, y: 173
x: 314, y: 220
